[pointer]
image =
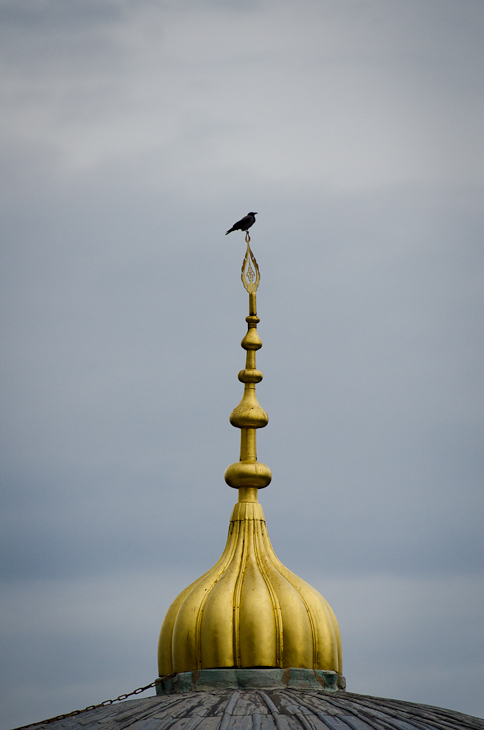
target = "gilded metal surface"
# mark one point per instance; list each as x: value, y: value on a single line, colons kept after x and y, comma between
x: 248, y: 474
x: 250, y: 276
x: 249, y: 415
x: 249, y: 610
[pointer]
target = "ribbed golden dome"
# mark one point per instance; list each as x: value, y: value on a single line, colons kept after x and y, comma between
x: 249, y: 610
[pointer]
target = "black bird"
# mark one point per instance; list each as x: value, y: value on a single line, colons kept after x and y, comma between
x: 244, y: 224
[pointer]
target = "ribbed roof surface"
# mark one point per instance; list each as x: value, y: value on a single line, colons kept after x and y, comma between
x: 267, y: 710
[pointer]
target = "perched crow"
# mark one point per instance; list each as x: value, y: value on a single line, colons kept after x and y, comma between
x: 244, y: 224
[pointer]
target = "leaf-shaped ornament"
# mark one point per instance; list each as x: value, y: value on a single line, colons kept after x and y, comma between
x: 250, y: 271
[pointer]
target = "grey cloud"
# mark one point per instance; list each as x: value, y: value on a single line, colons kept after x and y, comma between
x: 49, y: 15
x: 132, y: 141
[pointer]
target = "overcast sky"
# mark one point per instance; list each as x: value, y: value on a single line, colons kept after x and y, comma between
x: 134, y: 133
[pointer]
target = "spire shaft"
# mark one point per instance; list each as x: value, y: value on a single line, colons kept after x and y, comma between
x: 248, y: 415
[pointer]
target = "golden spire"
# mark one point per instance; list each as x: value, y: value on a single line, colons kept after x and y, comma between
x: 248, y: 473
x: 249, y: 610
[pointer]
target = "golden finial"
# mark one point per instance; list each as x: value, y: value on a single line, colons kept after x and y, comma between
x: 249, y: 610
x: 248, y: 473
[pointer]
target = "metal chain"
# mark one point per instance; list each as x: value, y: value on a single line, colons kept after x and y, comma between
x: 106, y: 703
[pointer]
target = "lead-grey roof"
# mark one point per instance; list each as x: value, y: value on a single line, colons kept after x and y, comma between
x: 249, y: 709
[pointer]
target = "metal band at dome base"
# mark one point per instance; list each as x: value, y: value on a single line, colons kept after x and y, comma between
x: 206, y: 680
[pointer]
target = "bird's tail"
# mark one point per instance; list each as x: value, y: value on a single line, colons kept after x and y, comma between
x: 229, y: 231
